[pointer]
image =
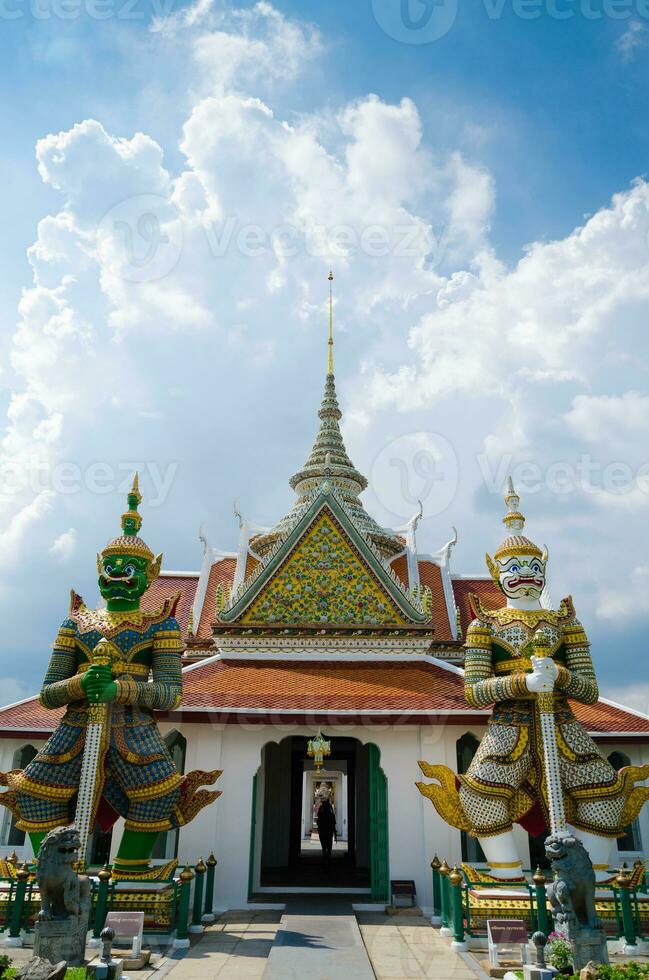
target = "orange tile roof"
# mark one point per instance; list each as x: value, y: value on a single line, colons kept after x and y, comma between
x: 418, y: 692
x: 251, y: 564
x: 430, y: 575
x: 609, y: 718
x: 400, y: 567
x: 29, y: 716
x: 485, y: 588
x: 324, y: 686
x: 166, y: 586
x: 221, y: 573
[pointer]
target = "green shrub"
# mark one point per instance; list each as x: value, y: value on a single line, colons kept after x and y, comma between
x: 624, y: 971
x: 558, y: 952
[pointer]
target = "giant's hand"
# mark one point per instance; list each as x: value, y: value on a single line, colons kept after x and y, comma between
x: 543, y: 676
x: 98, y: 684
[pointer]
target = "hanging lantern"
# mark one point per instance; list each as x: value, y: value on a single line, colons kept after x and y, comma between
x: 318, y: 747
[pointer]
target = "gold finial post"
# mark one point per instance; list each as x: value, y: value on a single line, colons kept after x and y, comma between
x: 331, y: 323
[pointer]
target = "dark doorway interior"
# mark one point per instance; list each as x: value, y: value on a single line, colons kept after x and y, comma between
x: 291, y: 855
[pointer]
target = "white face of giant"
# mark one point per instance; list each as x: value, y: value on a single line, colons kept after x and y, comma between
x: 522, y: 576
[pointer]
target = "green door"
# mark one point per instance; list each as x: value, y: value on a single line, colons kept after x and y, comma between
x: 379, y: 859
x: 253, y: 834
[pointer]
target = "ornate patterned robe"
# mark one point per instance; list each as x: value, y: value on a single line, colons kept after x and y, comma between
x: 506, y: 782
x: 138, y: 779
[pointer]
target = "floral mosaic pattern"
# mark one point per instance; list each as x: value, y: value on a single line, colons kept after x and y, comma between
x: 324, y: 581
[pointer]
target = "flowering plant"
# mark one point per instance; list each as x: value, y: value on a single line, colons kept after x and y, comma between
x: 558, y: 952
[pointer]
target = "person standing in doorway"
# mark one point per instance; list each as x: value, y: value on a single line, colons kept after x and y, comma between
x: 326, y: 820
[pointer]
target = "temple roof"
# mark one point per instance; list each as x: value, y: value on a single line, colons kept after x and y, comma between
x: 421, y: 691
x: 220, y: 576
x: 328, y: 461
x: 325, y: 572
x: 464, y: 586
x: 167, y: 585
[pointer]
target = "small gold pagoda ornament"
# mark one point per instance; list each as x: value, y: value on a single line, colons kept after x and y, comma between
x: 317, y: 748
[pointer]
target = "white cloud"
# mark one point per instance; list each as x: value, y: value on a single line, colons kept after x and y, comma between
x: 178, y: 311
x: 634, y: 39
x: 151, y: 325
x: 63, y: 547
x: 551, y: 313
x: 542, y: 352
x: 21, y: 523
x: 615, y: 418
x: 234, y: 47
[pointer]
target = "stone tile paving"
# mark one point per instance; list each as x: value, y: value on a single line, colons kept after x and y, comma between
x: 319, y: 939
x: 409, y: 947
x: 237, y: 945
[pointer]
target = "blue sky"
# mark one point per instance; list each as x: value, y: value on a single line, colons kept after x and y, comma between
x: 503, y: 324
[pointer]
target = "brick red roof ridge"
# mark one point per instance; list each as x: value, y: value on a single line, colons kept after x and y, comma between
x: 17, y: 704
x: 400, y: 690
x: 623, y: 707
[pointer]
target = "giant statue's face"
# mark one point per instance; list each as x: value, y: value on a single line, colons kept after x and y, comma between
x: 521, y: 576
x: 123, y: 576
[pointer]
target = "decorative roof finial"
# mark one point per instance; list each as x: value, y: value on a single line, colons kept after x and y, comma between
x: 129, y: 543
x: 515, y: 544
x: 331, y: 324
x: 513, y: 519
x: 131, y: 520
x: 329, y: 463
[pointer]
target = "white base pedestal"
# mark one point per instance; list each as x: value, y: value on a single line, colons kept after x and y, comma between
x: 196, y: 930
x: 460, y: 947
x: 445, y: 931
x: 627, y: 950
x: 181, y: 944
x: 15, y: 941
x: 208, y: 918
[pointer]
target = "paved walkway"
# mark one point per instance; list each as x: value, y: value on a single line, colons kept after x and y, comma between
x: 402, y: 947
x: 323, y: 941
x: 318, y: 940
x: 237, y: 945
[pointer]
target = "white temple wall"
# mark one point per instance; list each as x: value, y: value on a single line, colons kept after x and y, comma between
x: 8, y: 748
x: 416, y: 832
x: 638, y: 755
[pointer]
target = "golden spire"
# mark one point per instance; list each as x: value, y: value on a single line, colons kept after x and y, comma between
x: 331, y: 324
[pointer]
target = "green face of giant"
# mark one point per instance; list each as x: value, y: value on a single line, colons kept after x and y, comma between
x: 123, y: 577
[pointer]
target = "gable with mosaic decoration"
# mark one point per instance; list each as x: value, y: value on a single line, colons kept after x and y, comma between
x: 324, y: 580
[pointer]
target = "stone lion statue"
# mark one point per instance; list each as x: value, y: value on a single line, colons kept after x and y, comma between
x: 64, y: 893
x: 572, y: 893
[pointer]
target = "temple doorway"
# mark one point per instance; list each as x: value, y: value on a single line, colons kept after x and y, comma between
x: 286, y: 853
